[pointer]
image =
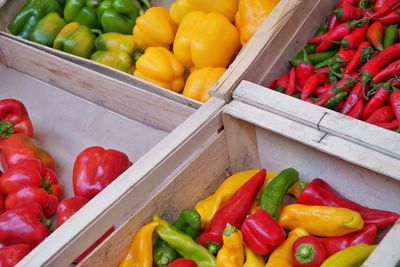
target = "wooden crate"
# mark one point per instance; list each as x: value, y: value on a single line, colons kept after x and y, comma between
x: 253, y: 138
x: 10, y: 8
x: 89, y: 108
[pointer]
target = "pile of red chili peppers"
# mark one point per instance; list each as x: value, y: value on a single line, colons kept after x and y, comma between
x: 30, y: 195
x: 352, y: 64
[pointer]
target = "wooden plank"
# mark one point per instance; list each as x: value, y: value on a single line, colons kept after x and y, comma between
x: 172, y: 196
x: 128, y: 100
x: 118, y: 199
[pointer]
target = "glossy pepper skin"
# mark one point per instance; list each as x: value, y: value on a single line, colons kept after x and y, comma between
x: 95, y: 168
x: 30, y: 14
x: 232, y: 252
x: 198, y: 42
x: 282, y: 255
x: 23, y: 226
x: 183, y: 244
x: 201, y: 81
x: 141, y: 250
x: 2, y: 204
x: 308, y: 251
x: 11, y: 255
x: 351, y: 256
x: 14, y: 118
x: 154, y: 28
x: 68, y: 207
x: 117, y: 60
x: 321, y: 220
x: 115, y: 42
x: 19, y: 147
x: 234, y: 212
x: 159, y: 66
x: 319, y: 192
x: 250, y: 15
x: 46, y: 30
x: 182, y: 263
x: 253, y: 259
x: 118, y: 15
x: 82, y: 12
x: 75, y: 39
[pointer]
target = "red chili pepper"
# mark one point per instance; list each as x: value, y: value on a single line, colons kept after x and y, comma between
x: 352, y: 99
x: 393, y: 125
x: 377, y: 100
x: 308, y: 251
x: 387, y: 73
x: 379, y: 4
x: 14, y: 118
x: 348, y: 2
x: 23, y: 225
x: 234, y: 212
x: 357, y: 111
x: 333, y: 22
x: 19, y: 147
x: 2, y: 204
x: 361, y: 56
x: 11, y: 255
x: 95, y: 168
x: 395, y: 103
x: 291, y: 89
x: 311, y: 84
x: 387, y: 7
x: 348, y: 12
x: 68, y: 207
x: 383, y: 114
x: 261, y: 232
x: 354, y: 39
x: 283, y: 83
x: 324, y: 70
x: 391, y: 18
x: 365, y: 236
x: 182, y: 263
x: 375, y: 35
x: 319, y: 192
x: 344, y: 56
x: 319, y: 38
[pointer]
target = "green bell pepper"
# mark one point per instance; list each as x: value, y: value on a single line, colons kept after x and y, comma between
x: 30, y: 14
x: 46, y: 30
x: 75, y: 39
x: 83, y: 12
x: 118, y: 60
x: 119, y: 15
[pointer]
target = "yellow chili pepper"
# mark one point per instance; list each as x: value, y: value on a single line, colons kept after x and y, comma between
x: 252, y: 259
x: 250, y: 15
x: 352, y: 256
x: 321, y: 220
x: 181, y: 8
x: 154, y: 28
x: 282, y: 255
x: 206, y: 40
x: 231, y: 254
x: 201, y: 81
x: 141, y: 251
x: 159, y: 66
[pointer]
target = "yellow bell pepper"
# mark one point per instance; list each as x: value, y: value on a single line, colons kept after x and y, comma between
x: 252, y: 259
x: 231, y: 254
x: 154, y: 28
x: 206, y: 40
x: 321, y: 220
x: 200, y: 82
x: 250, y: 15
x: 282, y: 255
x: 181, y: 8
x: 159, y: 66
x: 141, y: 250
x: 352, y: 256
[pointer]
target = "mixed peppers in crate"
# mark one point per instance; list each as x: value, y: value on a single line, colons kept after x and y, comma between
x: 180, y: 49
x: 351, y: 65
x: 31, y: 198
x: 244, y: 223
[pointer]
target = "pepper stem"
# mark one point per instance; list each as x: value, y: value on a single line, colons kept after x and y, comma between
x: 164, y: 260
x: 137, y: 54
x: 46, y: 184
x: 229, y: 230
x: 6, y: 129
x: 305, y: 253
x: 213, y: 247
x: 46, y: 222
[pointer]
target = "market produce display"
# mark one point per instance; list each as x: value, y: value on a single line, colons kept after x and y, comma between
x: 256, y: 219
x: 31, y: 198
x: 179, y: 49
x: 351, y: 64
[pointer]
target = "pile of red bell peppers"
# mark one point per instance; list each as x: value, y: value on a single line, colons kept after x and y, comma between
x: 352, y: 64
x: 30, y: 195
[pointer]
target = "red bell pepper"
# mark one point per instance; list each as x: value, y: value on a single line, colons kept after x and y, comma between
x: 68, y: 207
x: 24, y: 225
x: 234, y: 212
x: 2, y: 205
x: 308, y: 251
x: 182, y: 263
x: 11, y: 255
x: 95, y: 168
x: 14, y: 118
x: 261, y: 232
x: 334, y: 244
x: 19, y: 147
x: 319, y: 192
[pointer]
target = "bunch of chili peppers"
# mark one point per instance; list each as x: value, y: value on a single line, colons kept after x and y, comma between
x: 244, y: 221
x: 352, y: 64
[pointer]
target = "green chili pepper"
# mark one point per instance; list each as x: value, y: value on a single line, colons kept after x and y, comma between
x: 271, y: 198
x: 366, y: 54
x: 334, y: 73
x: 163, y: 253
x: 310, y: 48
x: 46, y: 30
x: 317, y: 57
x: 390, y: 35
x: 297, y: 95
x: 184, y: 244
x: 334, y: 100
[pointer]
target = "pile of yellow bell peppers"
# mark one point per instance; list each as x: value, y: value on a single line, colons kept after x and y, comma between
x: 187, y: 48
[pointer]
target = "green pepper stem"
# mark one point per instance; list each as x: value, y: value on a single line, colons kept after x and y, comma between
x: 46, y: 222
x: 6, y: 129
x: 229, y: 230
x: 213, y: 247
x: 305, y: 253
x: 46, y: 184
